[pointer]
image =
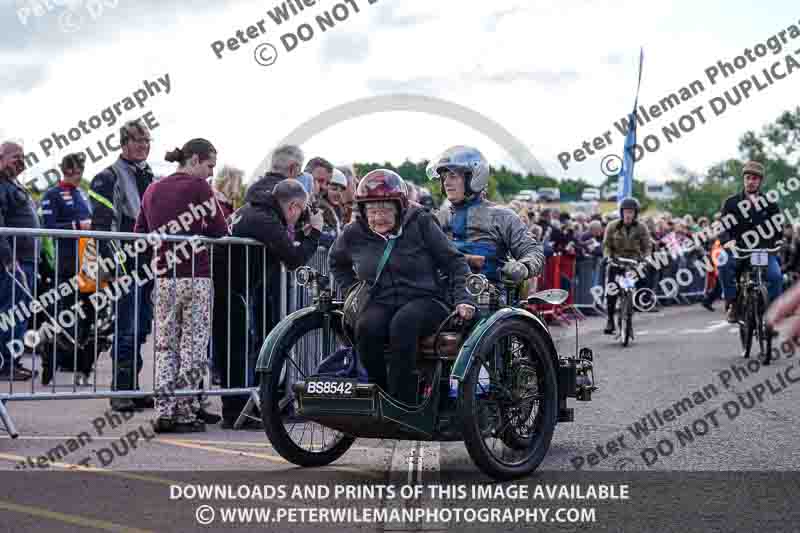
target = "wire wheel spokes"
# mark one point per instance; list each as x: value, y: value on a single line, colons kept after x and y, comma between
x: 508, y: 400
x: 300, y: 362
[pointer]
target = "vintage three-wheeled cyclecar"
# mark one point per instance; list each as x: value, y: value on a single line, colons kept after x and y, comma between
x: 497, y: 383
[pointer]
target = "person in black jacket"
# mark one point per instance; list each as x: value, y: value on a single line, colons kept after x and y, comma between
x: 286, y: 163
x: 758, y: 224
x: 407, y: 301
x: 18, y: 255
x: 269, y: 217
x: 116, y: 195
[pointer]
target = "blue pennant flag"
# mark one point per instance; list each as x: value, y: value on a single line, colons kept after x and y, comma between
x: 625, y: 185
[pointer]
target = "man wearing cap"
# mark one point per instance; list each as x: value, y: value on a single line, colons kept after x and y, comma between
x: 755, y: 216
x: 65, y: 206
x: 116, y: 195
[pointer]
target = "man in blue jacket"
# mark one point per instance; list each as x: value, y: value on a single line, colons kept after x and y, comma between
x: 65, y: 206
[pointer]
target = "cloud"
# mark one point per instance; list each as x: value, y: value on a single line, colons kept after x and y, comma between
x: 426, y: 85
x: 387, y: 16
x: 494, y: 19
x: 544, y: 77
x: 438, y: 85
x: 74, y: 23
x: 21, y: 78
x: 350, y: 48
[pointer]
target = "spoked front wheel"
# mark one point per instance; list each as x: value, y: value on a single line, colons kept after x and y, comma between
x: 764, y: 337
x: 300, y: 441
x: 509, y: 401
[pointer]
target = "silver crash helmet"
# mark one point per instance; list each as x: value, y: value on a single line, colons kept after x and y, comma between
x: 463, y: 160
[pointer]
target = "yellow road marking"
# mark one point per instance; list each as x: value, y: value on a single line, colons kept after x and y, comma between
x: 70, y: 519
x: 92, y: 469
x: 264, y: 456
x: 224, y: 442
x: 191, y: 444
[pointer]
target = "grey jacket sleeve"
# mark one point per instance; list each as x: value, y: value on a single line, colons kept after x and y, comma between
x: 522, y: 245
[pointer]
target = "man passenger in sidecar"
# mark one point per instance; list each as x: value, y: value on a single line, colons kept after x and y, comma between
x: 396, y: 250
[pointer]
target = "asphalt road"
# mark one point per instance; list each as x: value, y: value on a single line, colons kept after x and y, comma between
x: 678, y: 353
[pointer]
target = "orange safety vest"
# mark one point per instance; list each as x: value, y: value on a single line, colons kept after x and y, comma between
x: 87, y: 259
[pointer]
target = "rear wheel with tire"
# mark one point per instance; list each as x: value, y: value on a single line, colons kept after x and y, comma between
x: 300, y: 441
x: 509, y: 401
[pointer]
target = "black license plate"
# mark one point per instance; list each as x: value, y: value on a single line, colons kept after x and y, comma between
x: 331, y: 387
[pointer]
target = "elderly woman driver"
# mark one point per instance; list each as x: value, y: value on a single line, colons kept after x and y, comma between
x: 407, y: 301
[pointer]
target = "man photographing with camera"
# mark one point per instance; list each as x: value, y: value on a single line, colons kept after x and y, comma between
x: 279, y: 217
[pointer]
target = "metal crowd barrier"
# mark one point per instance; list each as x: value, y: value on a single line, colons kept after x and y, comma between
x: 586, y: 273
x: 19, y: 314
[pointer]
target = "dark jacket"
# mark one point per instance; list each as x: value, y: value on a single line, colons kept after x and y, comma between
x: 64, y: 206
x: 411, y: 272
x: 268, y: 181
x: 103, y: 217
x: 261, y: 218
x: 748, y: 221
x: 630, y: 242
x: 17, y: 210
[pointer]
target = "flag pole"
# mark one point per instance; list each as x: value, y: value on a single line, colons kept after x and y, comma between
x: 625, y: 186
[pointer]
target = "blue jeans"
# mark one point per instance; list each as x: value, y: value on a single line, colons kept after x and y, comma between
x: 128, y: 342
x: 9, y: 288
x: 727, y: 275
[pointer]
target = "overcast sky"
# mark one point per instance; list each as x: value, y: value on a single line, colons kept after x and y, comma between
x: 552, y: 73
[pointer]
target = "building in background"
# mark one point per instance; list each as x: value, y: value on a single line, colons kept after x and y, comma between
x: 660, y: 192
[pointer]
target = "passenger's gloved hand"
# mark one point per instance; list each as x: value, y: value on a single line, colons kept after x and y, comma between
x: 515, y: 271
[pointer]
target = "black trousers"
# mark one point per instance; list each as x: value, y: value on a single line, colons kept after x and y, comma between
x: 230, y: 352
x: 84, y: 313
x: 400, y: 327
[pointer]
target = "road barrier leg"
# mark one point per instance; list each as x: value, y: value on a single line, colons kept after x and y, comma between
x: 6, y: 418
x: 253, y: 402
